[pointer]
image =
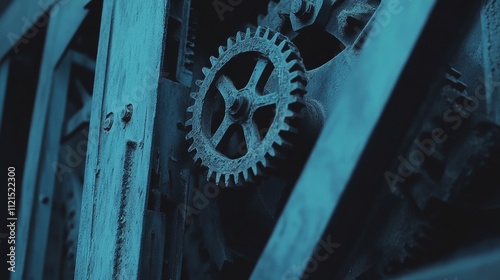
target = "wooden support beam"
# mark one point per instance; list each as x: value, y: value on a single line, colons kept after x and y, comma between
x: 119, y: 152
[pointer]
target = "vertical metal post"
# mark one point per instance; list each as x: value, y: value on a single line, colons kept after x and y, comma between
x: 44, y: 141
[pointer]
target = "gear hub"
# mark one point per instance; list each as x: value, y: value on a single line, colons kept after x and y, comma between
x: 244, y: 113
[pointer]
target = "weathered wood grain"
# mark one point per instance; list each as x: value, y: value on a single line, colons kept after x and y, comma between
x: 119, y: 160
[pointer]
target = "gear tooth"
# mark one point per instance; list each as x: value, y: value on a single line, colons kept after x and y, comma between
x: 294, y: 64
x: 264, y: 163
x: 282, y: 45
x: 196, y: 157
x: 296, y: 102
x: 296, y: 74
x: 193, y: 95
x: 292, y: 129
x: 190, y: 109
x: 230, y: 42
x: 255, y: 170
x: 205, y: 71
x: 221, y: 50
x: 241, y: 178
x: 213, y: 60
x: 239, y: 36
x: 297, y: 99
x: 217, y: 178
x: 266, y: 33
x: 289, y: 114
x: 248, y: 33
x: 191, y: 148
x: 199, y: 83
x: 246, y: 176
x: 287, y: 53
x: 274, y: 39
x: 226, y: 180
x: 233, y: 180
x: 258, y: 31
x: 278, y: 154
x: 272, y: 152
x: 282, y: 142
x: 210, y: 174
x: 189, y: 122
x: 285, y: 127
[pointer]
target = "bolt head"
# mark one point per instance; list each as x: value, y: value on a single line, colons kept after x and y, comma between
x: 301, y: 8
x: 108, y: 122
x: 239, y: 107
x: 126, y: 113
x: 44, y: 199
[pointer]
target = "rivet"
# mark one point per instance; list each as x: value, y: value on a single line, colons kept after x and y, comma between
x: 108, y: 122
x: 126, y: 113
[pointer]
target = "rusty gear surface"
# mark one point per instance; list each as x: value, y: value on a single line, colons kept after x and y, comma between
x: 239, y: 125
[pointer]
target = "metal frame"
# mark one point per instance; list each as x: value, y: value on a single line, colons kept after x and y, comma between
x: 410, y: 69
x: 20, y: 16
x: 44, y: 142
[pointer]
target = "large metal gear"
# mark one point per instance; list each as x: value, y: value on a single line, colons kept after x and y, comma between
x: 239, y: 125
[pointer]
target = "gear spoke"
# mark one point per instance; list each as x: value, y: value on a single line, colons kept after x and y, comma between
x: 226, y: 87
x: 257, y: 74
x: 251, y: 106
x: 221, y: 131
x: 265, y: 100
x: 251, y: 134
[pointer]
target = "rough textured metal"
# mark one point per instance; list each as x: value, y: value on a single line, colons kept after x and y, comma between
x: 39, y: 179
x: 306, y: 215
x: 273, y: 51
x: 306, y: 14
x: 20, y: 15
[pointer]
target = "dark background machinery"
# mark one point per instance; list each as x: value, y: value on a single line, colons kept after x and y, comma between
x: 322, y: 139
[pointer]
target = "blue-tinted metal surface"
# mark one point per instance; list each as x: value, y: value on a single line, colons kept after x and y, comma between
x: 346, y: 134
